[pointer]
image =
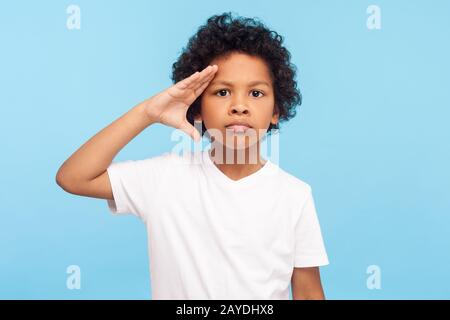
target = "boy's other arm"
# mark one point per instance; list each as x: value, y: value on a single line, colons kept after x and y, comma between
x: 84, y: 172
x: 306, y: 284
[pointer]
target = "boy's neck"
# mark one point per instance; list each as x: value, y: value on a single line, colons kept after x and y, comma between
x: 228, y: 163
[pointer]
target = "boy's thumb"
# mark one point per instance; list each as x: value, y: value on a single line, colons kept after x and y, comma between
x: 190, y: 130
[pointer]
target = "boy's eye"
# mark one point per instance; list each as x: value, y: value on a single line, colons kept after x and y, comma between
x: 257, y: 91
x: 220, y: 92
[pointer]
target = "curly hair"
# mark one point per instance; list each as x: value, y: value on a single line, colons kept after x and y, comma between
x: 223, y: 34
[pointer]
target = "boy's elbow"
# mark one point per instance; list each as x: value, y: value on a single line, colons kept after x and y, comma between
x: 65, y: 182
x: 71, y: 182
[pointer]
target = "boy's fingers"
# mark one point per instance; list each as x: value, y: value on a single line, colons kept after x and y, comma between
x: 200, y: 89
x: 202, y: 86
x: 197, y: 79
x: 198, y: 84
x: 187, y: 82
x: 203, y: 75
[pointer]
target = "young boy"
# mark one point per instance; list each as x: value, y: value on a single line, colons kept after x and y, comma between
x: 218, y: 228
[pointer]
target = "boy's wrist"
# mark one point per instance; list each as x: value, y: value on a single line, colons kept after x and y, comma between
x: 147, y: 117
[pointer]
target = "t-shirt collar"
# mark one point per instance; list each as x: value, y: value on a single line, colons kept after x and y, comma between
x: 219, y: 175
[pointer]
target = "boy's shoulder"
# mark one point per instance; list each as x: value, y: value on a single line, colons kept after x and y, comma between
x: 173, y: 160
x: 167, y: 157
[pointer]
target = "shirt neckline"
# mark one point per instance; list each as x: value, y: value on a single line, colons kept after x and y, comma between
x: 227, y: 180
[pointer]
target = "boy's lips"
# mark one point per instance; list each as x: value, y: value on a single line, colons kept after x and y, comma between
x: 238, y: 127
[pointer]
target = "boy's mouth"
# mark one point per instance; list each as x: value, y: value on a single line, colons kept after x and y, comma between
x: 238, y: 127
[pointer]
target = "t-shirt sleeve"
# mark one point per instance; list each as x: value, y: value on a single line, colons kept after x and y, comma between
x: 309, y: 246
x: 134, y: 183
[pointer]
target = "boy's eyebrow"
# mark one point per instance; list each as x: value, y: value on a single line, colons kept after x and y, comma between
x: 252, y: 83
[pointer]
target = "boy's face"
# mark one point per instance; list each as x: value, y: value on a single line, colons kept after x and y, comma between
x: 239, y: 100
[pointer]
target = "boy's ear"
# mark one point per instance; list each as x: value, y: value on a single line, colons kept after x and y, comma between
x: 275, y: 116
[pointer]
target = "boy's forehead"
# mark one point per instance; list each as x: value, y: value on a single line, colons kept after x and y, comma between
x: 241, y: 68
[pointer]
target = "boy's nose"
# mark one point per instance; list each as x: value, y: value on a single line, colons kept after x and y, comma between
x: 239, y: 109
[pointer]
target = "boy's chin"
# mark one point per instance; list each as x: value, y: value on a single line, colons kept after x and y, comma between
x: 239, y: 143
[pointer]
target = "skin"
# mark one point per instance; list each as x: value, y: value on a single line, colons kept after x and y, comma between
x: 306, y: 284
x: 85, y: 171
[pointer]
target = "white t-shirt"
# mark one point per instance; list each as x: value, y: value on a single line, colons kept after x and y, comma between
x: 211, y: 237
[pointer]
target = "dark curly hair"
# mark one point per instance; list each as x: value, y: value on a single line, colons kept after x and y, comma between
x: 223, y: 35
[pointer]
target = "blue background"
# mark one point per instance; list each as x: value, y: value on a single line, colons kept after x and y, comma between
x: 371, y: 137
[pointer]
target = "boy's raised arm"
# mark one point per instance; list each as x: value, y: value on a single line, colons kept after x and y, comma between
x: 85, y: 171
